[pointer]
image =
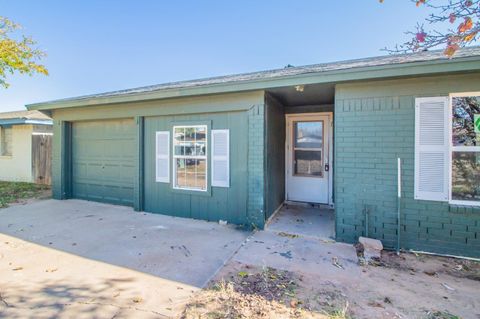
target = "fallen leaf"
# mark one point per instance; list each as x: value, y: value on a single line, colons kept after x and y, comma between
x: 293, y: 303
x: 18, y: 268
x: 137, y: 299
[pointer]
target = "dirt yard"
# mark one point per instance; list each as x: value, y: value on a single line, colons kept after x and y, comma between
x: 405, y: 286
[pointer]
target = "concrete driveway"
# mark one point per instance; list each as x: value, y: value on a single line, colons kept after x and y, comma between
x: 89, y: 254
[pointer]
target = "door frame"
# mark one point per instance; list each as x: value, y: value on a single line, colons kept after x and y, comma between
x: 329, y: 145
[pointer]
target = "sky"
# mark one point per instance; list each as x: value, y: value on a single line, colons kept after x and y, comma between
x: 99, y: 46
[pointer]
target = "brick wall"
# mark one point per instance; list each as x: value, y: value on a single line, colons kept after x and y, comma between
x: 256, y: 166
x: 374, y: 124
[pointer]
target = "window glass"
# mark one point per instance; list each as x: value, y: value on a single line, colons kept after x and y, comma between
x: 308, y: 148
x: 465, y: 149
x: 190, y: 157
x: 466, y: 121
x: 308, y: 134
x: 466, y: 176
x: 308, y: 163
x: 5, y: 141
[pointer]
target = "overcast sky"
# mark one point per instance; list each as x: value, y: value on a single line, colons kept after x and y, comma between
x: 98, y: 46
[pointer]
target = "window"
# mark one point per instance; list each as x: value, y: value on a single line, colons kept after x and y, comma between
x: 465, y: 148
x: 5, y: 141
x: 190, y: 157
x: 307, y: 148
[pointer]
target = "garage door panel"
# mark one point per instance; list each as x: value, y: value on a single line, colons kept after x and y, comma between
x: 103, y: 161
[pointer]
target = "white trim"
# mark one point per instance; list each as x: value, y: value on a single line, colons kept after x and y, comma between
x: 443, y: 255
x: 40, y: 133
x: 329, y: 145
x: 204, y: 157
x: 466, y: 149
x: 464, y: 94
x: 464, y: 202
x: 457, y: 149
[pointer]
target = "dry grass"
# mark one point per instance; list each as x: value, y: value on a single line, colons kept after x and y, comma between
x: 256, y: 294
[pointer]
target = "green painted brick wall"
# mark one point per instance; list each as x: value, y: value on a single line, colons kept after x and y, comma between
x: 374, y: 124
x: 256, y: 166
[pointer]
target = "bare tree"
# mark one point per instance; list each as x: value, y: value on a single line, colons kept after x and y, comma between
x: 459, y: 18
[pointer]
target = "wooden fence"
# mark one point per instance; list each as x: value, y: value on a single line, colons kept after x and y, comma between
x: 42, y: 158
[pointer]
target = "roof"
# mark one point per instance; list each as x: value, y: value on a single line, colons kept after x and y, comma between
x: 24, y: 117
x: 316, y: 73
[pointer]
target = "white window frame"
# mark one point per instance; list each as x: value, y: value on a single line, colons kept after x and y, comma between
x: 3, y: 142
x: 204, y: 157
x: 457, y: 149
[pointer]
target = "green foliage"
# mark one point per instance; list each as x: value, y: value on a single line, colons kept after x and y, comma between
x: 17, y: 55
x: 11, y: 192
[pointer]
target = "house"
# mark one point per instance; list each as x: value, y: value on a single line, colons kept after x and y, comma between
x: 237, y: 147
x: 25, y: 147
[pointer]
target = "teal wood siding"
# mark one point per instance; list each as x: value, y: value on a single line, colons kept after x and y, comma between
x: 220, y: 203
x: 64, y: 118
x: 374, y: 124
x: 61, y: 155
x: 275, y: 158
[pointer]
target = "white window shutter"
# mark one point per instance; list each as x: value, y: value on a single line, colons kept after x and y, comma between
x: 221, y: 158
x: 162, y: 154
x: 432, y: 148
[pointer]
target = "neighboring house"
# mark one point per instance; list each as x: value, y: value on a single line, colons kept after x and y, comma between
x: 25, y: 147
x: 236, y: 147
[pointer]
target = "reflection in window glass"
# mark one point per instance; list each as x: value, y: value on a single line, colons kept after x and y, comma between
x: 465, y: 110
x: 190, y: 157
x: 308, y: 134
x: 465, y: 148
x: 466, y: 176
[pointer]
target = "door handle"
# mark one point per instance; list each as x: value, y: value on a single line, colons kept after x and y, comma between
x: 327, y: 167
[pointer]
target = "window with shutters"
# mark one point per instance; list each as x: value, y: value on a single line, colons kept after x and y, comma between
x: 190, y: 157
x: 465, y: 148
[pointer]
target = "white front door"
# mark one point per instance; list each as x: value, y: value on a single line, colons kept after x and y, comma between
x: 308, y: 158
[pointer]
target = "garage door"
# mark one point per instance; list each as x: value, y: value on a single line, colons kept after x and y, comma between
x: 103, y: 161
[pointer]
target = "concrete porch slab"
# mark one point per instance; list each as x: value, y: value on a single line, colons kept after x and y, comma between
x: 304, y: 220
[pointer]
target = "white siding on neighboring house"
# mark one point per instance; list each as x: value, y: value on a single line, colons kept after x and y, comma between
x: 18, y: 165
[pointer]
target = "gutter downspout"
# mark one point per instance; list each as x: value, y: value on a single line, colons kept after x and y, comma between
x: 399, y: 199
